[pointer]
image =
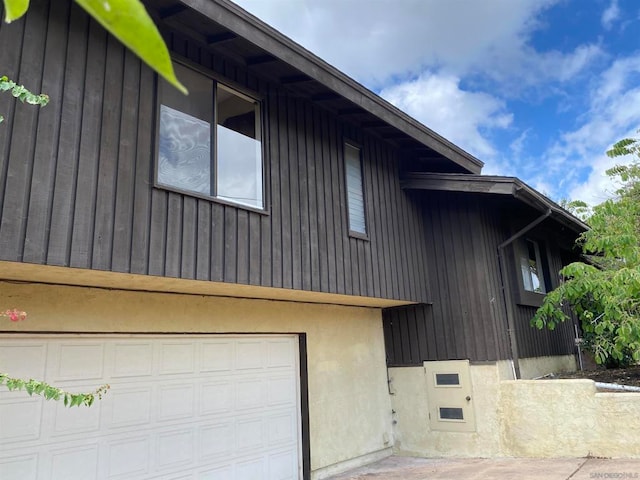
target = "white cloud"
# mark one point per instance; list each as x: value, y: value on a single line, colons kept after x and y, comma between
x: 464, y: 117
x: 388, y: 39
x: 425, y: 55
x: 614, y: 113
x: 610, y: 15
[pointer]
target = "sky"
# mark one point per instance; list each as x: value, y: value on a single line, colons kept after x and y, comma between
x: 537, y: 89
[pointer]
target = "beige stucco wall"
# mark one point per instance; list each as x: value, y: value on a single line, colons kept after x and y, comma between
x: 349, y: 405
x: 413, y: 434
x: 568, y: 418
x: 410, y: 401
x: 539, y: 366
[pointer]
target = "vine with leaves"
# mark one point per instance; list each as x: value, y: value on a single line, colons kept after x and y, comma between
x: 38, y: 387
x: 21, y: 93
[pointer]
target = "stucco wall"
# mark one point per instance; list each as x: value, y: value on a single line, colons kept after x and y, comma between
x: 410, y: 401
x: 349, y: 405
x: 413, y: 434
x: 568, y: 418
x: 538, y: 366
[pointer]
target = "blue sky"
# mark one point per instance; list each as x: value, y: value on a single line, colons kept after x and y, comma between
x: 537, y: 89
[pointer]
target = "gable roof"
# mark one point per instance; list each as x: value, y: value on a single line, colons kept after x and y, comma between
x: 494, y: 185
x: 224, y: 27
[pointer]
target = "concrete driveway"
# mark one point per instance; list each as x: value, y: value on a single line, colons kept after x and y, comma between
x: 410, y: 468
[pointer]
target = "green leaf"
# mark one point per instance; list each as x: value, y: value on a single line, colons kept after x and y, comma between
x: 14, y: 9
x: 130, y: 23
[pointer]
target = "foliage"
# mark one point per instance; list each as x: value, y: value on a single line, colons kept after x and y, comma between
x: 577, y: 208
x: 21, y: 93
x: 129, y: 22
x: 604, y: 290
x: 37, y: 387
x: 49, y: 392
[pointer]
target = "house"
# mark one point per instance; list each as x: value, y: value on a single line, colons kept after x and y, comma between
x: 243, y: 264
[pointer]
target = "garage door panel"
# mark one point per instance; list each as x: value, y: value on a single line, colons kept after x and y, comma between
x: 281, y: 428
x: 281, y: 390
x: 280, y: 353
x: 216, y: 356
x: 27, y: 360
x: 216, y: 398
x: 177, y: 358
x: 176, y: 401
x: 77, y: 362
x: 132, y: 360
x: 216, y: 441
x: 281, y: 466
x: 250, y: 434
x: 74, y: 462
x: 177, y: 408
x: 19, y: 419
x: 250, y: 354
x: 250, y: 394
x: 77, y: 420
x: 24, y: 467
x: 219, y: 473
x: 130, y: 408
x: 129, y: 458
x: 250, y: 470
x: 175, y: 448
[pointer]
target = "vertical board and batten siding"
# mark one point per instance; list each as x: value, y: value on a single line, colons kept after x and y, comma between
x: 467, y: 316
x: 76, y: 177
x: 468, y: 319
x: 535, y: 343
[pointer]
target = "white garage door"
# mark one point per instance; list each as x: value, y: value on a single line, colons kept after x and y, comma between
x: 180, y: 407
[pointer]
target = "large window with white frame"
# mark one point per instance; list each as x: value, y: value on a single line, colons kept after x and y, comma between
x: 210, y: 142
x: 355, y: 190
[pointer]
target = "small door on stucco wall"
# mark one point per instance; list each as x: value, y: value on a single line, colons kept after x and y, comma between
x: 450, y: 396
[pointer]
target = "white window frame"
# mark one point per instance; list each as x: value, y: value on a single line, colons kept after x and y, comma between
x: 355, y: 230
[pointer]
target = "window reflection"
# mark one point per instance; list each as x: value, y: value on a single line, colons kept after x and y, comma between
x: 239, y: 167
x: 531, y: 268
x: 230, y: 170
x: 184, y: 156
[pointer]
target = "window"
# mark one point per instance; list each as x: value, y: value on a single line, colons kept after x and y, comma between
x: 209, y: 142
x: 355, y: 190
x: 533, y: 272
x: 532, y: 268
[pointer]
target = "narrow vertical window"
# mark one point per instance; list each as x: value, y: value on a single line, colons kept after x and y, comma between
x: 355, y: 190
x: 531, y: 267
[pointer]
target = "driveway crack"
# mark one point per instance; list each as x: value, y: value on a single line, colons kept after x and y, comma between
x: 578, y: 469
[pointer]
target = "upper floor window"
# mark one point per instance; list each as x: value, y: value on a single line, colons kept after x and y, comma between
x: 532, y: 268
x: 210, y: 142
x: 355, y: 190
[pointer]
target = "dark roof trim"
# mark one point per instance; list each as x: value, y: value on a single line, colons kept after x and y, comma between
x: 492, y: 184
x: 234, y: 18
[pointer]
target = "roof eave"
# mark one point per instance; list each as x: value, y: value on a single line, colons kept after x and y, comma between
x: 497, y: 185
x: 239, y: 21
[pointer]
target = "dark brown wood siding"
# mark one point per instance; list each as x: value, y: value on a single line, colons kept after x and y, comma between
x: 468, y: 319
x: 76, y: 177
x: 533, y: 342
